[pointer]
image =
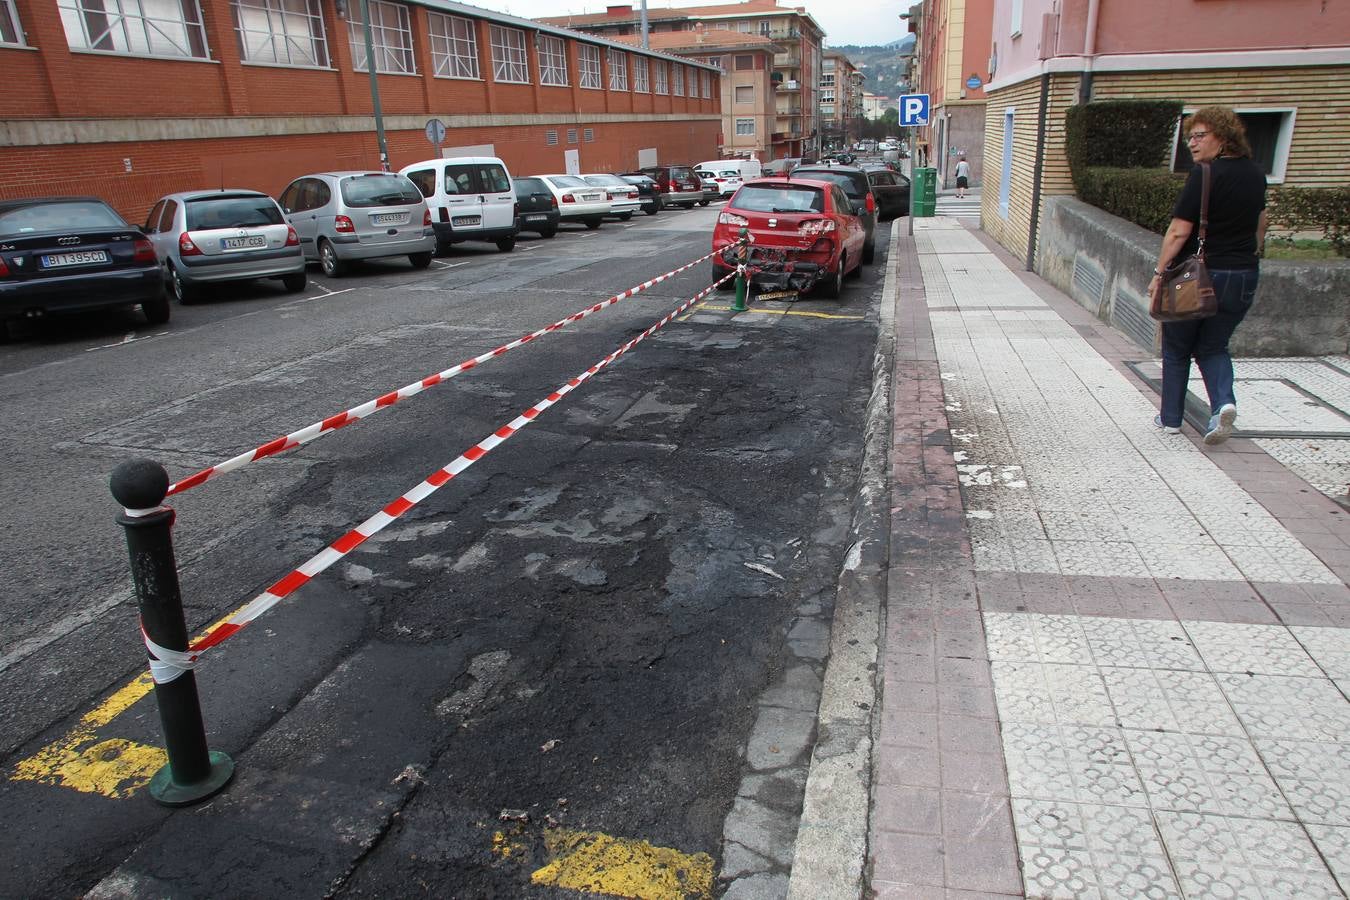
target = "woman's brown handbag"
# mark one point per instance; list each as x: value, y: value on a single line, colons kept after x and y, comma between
x: 1184, y: 289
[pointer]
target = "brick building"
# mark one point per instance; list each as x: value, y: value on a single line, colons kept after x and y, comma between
x: 796, y: 64
x: 251, y: 93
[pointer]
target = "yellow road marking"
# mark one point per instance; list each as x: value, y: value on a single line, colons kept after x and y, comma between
x: 619, y: 867
x: 780, y: 312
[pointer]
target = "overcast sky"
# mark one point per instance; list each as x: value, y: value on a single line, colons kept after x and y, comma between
x: 863, y: 22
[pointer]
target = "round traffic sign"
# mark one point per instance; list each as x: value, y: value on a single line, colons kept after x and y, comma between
x: 436, y: 131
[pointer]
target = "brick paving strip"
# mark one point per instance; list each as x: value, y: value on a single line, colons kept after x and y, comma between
x: 1113, y: 663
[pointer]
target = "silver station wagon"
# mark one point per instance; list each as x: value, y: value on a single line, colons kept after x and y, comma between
x: 210, y: 237
x: 345, y: 216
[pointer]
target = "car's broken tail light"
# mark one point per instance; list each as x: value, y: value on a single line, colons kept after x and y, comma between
x: 816, y: 226
x: 730, y: 218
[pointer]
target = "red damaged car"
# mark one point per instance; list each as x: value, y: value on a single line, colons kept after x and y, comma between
x: 803, y: 233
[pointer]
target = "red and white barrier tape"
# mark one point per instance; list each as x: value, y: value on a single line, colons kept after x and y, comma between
x: 356, y: 413
x: 376, y: 523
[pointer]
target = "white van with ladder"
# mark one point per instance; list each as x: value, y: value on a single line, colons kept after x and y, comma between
x: 471, y: 198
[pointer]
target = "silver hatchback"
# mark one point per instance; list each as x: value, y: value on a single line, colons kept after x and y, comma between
x: 209, y: 237
x: 346, y: 216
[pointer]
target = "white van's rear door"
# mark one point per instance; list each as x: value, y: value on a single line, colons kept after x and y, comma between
x: 498, y: 196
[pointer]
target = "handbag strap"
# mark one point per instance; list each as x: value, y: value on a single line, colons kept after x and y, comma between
x: 1204, y: 208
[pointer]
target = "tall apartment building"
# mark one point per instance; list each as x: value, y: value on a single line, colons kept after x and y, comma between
x: 180, y: 95
x: 749, y: 102
x: 841, y: 100
x: 797, y: 65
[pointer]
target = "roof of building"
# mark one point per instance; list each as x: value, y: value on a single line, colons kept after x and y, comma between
x: 623, y: 14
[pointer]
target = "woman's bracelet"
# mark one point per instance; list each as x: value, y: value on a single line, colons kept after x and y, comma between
x: 1157, y: 273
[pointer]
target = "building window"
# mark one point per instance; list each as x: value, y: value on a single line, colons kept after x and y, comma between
x: 1005, y: 185
x: 744, y: 62
x: 391, y: 36
x: 745, y: 93
x: 282, y: 32
x: 827, y: 81
x: 718, y: 62
x: 551, y: 137
x: 745, y: 27
x: 1016, y: 18
x: 641, y: 83
x: 618, y: 70
x: 827, y: 109
x: 588, y: 63
x: 706, y: 78
x: 571, y: 135
x: 677, y: 80
x: 1269, y: 133
x: 745, y: 126
x: 508, y: 55
x: 454, y: 46
x: 10, y: 31
x: 552, y: 60
x: 144, y: 27
x: 661, y: 86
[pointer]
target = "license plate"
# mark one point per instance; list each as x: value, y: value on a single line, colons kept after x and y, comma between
x: 586, y: 197
x: 535, y: 218
x: 78, y: 258
x: 777, y: 295
x: 389, y: 219
x: 467, y: 220
x: 243, y: 243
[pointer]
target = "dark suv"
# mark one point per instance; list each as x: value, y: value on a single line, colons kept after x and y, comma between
x: 679, y: 185
x: 856, y: 185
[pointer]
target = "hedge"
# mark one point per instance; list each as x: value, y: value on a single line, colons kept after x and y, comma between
x: 1142, y: 196
x: 1119, y: 134
x: 1313, y: 209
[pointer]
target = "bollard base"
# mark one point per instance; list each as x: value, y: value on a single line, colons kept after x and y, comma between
x: 168, y: 793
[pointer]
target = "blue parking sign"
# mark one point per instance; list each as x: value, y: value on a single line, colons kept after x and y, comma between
x: 914, y: 109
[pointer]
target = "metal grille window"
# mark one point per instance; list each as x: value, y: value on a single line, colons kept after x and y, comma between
x: 641, y: 82
x: 391, y: 38
x: 745, y: 126
x: 618, y: 69
x: 588, y: 135
x: 10, y: 30
x: 677, y: 80
x: 551, y: 137
x: 552, y: 61
x: 283, y: 32
x: 508, y: 55
x: 588, y: 63
x: 145, y: 27
x: 571, y: 135
x: 454, y: 46
x: 660, y: 66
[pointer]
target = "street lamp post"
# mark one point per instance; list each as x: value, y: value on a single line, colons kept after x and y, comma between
x: 374, y: 86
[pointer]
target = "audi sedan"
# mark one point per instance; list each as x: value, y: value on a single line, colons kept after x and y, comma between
x: 803, y: 234
x: 212, y: 237
x: 71, y: 255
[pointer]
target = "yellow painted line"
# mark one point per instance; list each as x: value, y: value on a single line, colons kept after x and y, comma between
x: 781, y: 312
x: 115, y: 768
x: 618, y: 867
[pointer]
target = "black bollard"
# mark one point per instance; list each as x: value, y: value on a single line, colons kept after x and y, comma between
x: 193, y: 772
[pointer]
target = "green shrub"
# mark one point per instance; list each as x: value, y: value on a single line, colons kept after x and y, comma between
x: 1119, y: 134
x: 1142, y: 196
x: 1312, y: 209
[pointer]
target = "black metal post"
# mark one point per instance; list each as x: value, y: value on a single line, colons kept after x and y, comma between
x: 193, y: 772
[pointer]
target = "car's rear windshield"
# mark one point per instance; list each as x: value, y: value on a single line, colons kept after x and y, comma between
x: 681, y: 172
x: 231, y: 212
x: 567, y: 181
x: 63, y: 216
x: 854, y: 184
x: 786, y: 199
x: 379, y: 190
x: 530, y: 185
x: 604, y: 179
x: 637, y: 179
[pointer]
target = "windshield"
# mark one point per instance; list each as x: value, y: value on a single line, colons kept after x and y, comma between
x: 786, y: 199
x: 564, y: 181
x: 379, y: 190
x: 58, y: 217
x: 850, y: 183
x: 605, y: 179
x: 231, y: 212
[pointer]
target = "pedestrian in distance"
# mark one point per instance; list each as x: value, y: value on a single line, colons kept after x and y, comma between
x: 962, y: 176
x: 1235, y: 236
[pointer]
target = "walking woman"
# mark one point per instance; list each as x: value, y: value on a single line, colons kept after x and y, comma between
x: 1233, y: 242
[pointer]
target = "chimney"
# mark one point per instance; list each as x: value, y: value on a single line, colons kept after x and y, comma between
x: 618, y: 12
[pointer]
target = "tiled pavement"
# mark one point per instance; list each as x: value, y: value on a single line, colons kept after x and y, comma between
x: 1116, y: 662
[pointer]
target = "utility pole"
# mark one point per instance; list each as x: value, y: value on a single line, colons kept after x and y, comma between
x: 374, y: 86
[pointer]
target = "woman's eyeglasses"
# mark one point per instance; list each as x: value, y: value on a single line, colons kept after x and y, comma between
x: 1195, y: 136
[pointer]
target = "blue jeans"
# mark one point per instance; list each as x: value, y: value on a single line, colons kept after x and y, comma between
x: 1205, y: 341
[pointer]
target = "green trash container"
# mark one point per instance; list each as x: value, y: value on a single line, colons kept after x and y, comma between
x: 924, y: 190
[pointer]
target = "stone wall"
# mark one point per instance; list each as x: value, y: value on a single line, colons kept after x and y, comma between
x: 1105, y: 262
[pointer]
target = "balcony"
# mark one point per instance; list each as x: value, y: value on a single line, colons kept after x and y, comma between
x: 790, y: 58
x: 790, y: 85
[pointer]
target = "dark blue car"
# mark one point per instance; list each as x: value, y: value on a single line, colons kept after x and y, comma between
x: 71, y: 255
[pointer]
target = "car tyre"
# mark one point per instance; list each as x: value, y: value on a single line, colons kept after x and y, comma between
x: 295, y: 282
x: 506, y: 244
x: 156, y: 310
x: 833, y: 284
x: 548, y: 232
x: 624, y: 217
x: 652, y: 211
x: 592, y: 224
x: 420, y: 260
x: 332, y: 266
x: 869, y: 252
x: 703, y: 202
x: 183, y: 292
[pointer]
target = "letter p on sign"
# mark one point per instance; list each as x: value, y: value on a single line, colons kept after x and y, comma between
x: 914, y: 109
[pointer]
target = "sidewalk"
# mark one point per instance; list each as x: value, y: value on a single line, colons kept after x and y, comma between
x: 1115, y: 662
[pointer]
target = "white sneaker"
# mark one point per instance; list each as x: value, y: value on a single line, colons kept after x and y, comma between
x: 1167, y: 429
x: 1221, y: 424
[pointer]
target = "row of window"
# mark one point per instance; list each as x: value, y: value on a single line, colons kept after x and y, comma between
x: 292, y: 33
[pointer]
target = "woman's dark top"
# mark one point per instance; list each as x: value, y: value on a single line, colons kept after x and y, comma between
x: 1237, y: 194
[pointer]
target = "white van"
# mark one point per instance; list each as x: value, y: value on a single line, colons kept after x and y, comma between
x: 744, y: 168
x: 470, y: 198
